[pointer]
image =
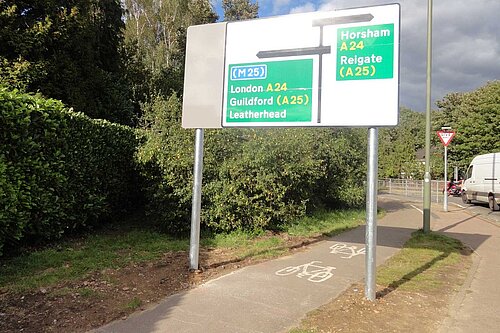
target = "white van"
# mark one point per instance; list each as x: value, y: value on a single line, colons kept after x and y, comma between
x: 482, y: 180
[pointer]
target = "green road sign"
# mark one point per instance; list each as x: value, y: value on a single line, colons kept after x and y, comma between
x: 269, y: 92
x: 365, y: 53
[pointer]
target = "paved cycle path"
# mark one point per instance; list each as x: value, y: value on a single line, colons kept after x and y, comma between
x: 476, y: 307
x: 273, y: 296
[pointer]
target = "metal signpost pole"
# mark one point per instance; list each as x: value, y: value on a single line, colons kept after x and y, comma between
x: 427, y: 175
x: 371, y: 215
x: 194, y: 246
x: 445, y: 198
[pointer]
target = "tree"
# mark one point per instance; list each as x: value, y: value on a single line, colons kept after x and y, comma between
x: 202, y: 12
x: 68, y: 50
x: 155, y: 39
x: 475, y: 116
x: 398, y: 146
x: 153, y: 25
x: 236, y: 10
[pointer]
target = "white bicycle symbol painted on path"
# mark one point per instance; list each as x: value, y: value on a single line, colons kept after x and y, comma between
x: 347, y: 251
x: 313, y: 272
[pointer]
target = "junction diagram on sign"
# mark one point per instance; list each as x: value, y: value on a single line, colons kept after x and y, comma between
x: 316, y: 69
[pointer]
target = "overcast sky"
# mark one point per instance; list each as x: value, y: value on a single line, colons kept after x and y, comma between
x: 466, y: 42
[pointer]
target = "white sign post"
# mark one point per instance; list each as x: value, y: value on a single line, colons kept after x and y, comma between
x: 445, y: 135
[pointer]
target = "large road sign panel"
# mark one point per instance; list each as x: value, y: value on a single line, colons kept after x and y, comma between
x: 337, y: 69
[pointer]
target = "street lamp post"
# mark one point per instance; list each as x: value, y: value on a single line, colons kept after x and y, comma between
x: 427, y: 176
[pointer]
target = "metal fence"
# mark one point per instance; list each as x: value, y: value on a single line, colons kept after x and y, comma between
x: 411, y: 188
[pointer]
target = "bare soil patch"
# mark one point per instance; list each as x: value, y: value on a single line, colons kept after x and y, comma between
x: 112, y: 294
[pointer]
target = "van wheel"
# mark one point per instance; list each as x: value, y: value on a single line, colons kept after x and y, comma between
x: 492, y: 203
x: 465, y: 200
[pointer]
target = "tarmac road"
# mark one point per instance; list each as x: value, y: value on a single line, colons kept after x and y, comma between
x: 478, y: 209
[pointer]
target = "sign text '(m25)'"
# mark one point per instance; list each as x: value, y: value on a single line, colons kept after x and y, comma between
x: 250, y: 72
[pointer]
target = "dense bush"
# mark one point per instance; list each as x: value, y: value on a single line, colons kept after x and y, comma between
x: 59, y: 170
x: 280, y: 174
x: 252, y: 179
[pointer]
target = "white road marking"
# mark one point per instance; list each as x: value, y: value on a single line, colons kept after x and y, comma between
x: 458, y: 205
x: 347, y: 251
x: 421, y: 211
x: 313, y: 271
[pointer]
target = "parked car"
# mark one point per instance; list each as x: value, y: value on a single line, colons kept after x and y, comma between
x: 482, y: 181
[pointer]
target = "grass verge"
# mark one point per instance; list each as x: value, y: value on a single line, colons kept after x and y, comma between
x: 420, y: 264
x: 74, y: 260
x: 410, y: 285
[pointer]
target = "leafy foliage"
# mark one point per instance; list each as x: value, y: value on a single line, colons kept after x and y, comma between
x: 166, y: 163
x: 475, y: 116
x: 155, y: 38
x: 59, y: 170
x: 279, y: 175
x: 68, y: 50
x: 253, y: 179
x: 398, y: 146
x: 236, y: 10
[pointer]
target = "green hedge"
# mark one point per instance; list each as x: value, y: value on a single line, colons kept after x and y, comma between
x: 252, y: 179
x: 59, y: 170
